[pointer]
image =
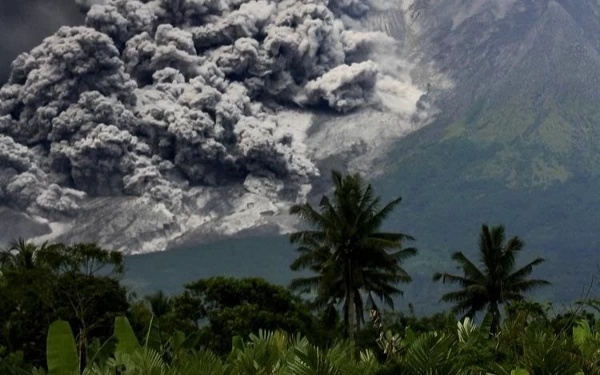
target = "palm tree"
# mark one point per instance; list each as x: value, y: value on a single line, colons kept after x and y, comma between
x: 22, y: 255
x: 496, y: 282
x: 160, y: 305
x: 348, y: 253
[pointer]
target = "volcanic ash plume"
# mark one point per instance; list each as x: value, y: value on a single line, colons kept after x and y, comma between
x: 154, y: 98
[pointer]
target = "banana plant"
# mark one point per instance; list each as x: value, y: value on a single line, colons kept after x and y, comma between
x: 130, y: 357
x: 62, y: 356
x: 61, y: 351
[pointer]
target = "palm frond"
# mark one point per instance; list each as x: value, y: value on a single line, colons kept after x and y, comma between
x: 527, y: 285
x: 377, y: 219
x: 454, y: 279
x: 309, y: 215
x: 306, y: 284
x: 524, y: 271
x: 468, y: 266
x: 404, y: 254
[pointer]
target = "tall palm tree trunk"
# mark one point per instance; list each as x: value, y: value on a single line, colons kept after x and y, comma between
x: 495, y: 311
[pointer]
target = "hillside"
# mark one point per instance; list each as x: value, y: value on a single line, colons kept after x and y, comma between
x: 521, y: 146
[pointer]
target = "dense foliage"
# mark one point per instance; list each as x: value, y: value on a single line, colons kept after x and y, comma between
x: 522, y: 347
x: 40, y: 284
x: 64, y: 310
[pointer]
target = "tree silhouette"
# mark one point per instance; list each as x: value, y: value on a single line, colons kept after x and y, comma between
x: 496, y: 281
x: 347, y: 251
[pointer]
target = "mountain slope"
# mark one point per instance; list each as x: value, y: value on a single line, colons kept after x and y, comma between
x: 518, y: 143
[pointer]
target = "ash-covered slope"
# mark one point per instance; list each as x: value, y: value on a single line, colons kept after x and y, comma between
x: 500, y: 51
x: 525, y: 81
x: 164, y: 117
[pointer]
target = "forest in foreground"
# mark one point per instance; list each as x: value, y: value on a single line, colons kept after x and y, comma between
x: 65, y: 312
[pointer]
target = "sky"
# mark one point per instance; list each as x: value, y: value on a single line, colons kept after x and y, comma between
x: 25, y: 23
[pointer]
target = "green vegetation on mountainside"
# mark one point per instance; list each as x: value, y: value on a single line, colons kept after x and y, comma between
x: 533, y: 165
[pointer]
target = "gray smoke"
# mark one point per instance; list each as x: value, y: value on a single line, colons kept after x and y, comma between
x: 344, y: 88
x: 151, y: 98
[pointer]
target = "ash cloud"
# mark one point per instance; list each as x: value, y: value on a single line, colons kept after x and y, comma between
x: 345, y: 87
x: 153, y: 98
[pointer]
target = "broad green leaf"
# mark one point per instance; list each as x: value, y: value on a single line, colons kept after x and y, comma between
x: 61, y: 352
x: 581, y: 332
x: 519, y: 372
x: 127, y: 342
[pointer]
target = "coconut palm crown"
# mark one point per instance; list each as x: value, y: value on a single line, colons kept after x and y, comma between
x: 495, y: 281
x: 349, y: 255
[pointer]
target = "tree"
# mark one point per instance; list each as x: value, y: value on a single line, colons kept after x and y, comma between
x: 160, y: 305
x: 347, y: 252
x: 50, y: 281
x: 83, y: 258
x: 89, y: 304
x: 26, y: 285
x: 88, y: 301
x: 22, y: 255
x: 496, y: 282
x: 239, y: 307
x: 26, y: 310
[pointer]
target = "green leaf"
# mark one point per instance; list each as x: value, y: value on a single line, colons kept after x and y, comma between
x: 409, y: 336
x: 61, y: 352
x: 519, y: 372
x: 237, y: 343
x: 150, y: 326
x: 581, y: 332
x: 127, y: 342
